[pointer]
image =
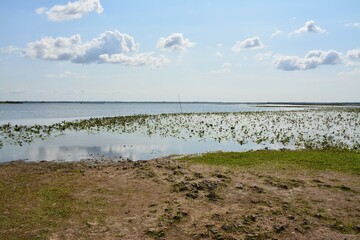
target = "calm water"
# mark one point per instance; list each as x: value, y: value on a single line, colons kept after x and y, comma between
x: 80, y: 145
x: 75, y: 146
x: 46, y: 113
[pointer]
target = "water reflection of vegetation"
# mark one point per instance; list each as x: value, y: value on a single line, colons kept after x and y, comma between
x: 313, y: 128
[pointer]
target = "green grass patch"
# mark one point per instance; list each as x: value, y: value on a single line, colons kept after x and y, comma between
x: 26, y: 209
x: 38, y: 200
x: 346, y: 161
x: 54, y: 202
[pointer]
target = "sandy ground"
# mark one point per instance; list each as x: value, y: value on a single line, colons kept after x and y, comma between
x: 171, y: 199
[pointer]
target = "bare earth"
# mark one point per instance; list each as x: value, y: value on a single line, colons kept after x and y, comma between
x: 171, y: 199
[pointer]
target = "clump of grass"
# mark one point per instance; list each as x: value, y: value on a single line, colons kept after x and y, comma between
x: 347, y: 161
x: 156, y: 234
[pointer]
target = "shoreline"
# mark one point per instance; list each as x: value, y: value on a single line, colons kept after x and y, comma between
x: 254, y: 195
x: 104, y: 160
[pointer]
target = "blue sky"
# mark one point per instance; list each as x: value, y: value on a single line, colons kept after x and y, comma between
x: 204, y: 50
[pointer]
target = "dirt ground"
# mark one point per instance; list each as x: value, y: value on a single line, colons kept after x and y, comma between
x: 172, y: 199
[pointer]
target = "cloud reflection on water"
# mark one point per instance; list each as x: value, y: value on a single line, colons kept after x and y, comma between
x: 76, y: 146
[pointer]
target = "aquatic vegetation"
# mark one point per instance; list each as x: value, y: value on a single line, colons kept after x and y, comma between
x: 311, y: 128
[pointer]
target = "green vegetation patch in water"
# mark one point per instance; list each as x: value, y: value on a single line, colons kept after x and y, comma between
x: 325, y: 128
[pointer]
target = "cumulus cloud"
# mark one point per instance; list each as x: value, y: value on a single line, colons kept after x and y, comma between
x: 312, y: 60
x: 174, y: 42
x: 49, y: 48
x: 249, y: 43
x: 353, y: 54
x: 309, y: 26
x: 71, y: 11
x: 141, y: 59
x: 109, y: 47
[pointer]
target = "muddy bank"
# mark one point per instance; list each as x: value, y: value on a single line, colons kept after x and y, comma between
x: 172, y: 199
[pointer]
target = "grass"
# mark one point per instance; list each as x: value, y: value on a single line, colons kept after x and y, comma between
x: 35, y: 201
x: 345, y: 161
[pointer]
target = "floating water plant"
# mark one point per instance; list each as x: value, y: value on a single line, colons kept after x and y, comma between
x: 312, y: 128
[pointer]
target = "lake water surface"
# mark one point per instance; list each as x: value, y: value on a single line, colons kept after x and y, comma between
x: 77, y: 145
x: 47, y: 113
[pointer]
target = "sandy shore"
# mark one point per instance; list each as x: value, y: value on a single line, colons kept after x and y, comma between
x: 172, y: 199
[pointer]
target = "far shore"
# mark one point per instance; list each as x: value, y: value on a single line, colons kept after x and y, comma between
x: 256, y: 104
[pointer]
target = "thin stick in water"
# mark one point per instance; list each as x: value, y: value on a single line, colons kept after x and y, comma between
x: 180, y: 103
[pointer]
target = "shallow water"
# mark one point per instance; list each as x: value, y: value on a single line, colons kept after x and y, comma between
x: 74, y: 146
x: 154, y: 136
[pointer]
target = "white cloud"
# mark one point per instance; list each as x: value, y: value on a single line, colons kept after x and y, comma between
x: 277, y: 32
x: 309, y: 26
x: 249, y: 43
x: 71, y: 11
x: 49, y: 48
x: 174, y: 42
x: 141, y: 59
x: 353, y: 54
x: 11, y: 49
x: 225, y: 68
x: 263, y: 56
x: 109, y: 47
x: 312, y: 60
x: 355, y: 25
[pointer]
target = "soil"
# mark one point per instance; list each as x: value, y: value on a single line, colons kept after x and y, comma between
x: 172, y: 199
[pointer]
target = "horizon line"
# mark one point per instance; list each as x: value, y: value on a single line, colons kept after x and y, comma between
x: 197, y: 102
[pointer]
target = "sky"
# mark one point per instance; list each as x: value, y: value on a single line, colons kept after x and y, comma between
x: 157, y: 50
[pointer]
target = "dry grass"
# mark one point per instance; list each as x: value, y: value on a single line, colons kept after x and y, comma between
x: 175, y: 199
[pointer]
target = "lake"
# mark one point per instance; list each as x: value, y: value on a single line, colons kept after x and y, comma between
x: 46, y: 113
x: 230, y: 127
